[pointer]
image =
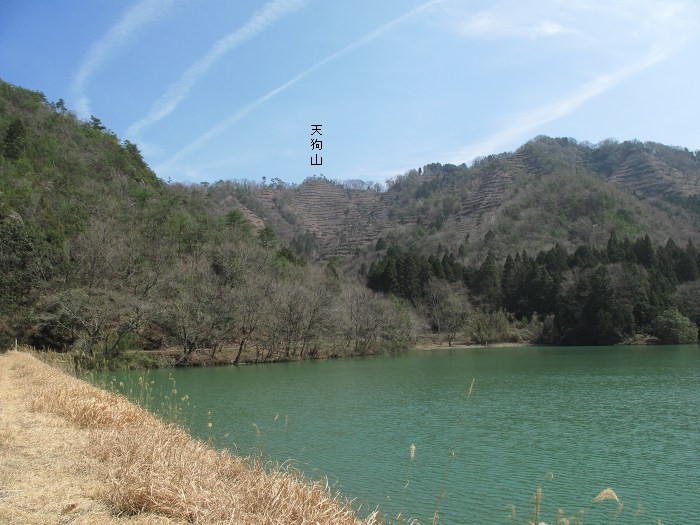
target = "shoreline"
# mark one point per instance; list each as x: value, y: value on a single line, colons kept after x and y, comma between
x: 170, y: 357
x: 73, y: 453
x: 44, y: 475
x: 426, y: 347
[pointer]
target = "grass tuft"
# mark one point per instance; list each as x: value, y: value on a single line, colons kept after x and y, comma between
x: 605, y: 495
x: 159, y: 468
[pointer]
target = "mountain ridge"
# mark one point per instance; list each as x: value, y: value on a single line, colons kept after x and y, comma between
x: 575, y: 192
x: 631, y: 187
x: 99, y: 255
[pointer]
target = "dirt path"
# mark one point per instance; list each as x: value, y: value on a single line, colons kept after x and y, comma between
x: 72, y: 453
x: 45, y: 476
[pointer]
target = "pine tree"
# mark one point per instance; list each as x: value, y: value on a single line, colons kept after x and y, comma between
x: 15, y: 138
x: 686, y: 267
x: 391, y: 277
x: 614, y: 250
x: 489, y: 282
x: 509, y: 285
x: 644, y: 252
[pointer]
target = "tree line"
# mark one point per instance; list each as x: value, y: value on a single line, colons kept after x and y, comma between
x: 589, y: 296
x: 98, y: 256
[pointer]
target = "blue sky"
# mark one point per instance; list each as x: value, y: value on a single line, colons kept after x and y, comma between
x: 229, y: 89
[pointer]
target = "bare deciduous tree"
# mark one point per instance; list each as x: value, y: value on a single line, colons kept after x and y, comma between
x: 446, y: 305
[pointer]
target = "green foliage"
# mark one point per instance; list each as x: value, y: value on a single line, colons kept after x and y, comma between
x: 686, y: 264
x: 591, y: 296
x: 14, y: 143
x: 96, y: 123
x: 27, y: 262
x: 234, y: 218
x: 488, y: 282
x: 487, y: 328
x: 98, y: 256
x: 672, y: 327
x: 304, y: 244
x: 687, y: 299
x: 286, y: 255
x: 589, y: 312
x: 267, y: 237
x: 529, y: 286
x: 404, y: 274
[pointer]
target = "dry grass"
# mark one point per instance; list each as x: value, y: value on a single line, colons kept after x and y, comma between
x: 71, y: 453
x: 605, y: 495
x: 575, y: 519
x: 46, y: 477
x: 149, y: 469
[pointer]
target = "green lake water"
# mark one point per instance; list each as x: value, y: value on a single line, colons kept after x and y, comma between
x: 572, y: 420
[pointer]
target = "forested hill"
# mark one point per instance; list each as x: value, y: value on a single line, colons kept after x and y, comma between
x: 98, y: 255
x: 548, y: 191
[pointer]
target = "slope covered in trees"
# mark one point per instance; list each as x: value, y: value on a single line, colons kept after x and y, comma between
x: 576, y: 193
x: 588, y: 296
x: 98, y: 255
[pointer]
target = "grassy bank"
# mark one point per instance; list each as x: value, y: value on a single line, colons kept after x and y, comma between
x: 72, y: 453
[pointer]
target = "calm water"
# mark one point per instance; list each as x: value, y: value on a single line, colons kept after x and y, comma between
x: 571, y: 420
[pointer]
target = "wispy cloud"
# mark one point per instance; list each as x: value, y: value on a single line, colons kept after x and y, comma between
x: 177, y: 91
x: 548, y: 28
x: 523, y: 124
x: 245, y: 110
x: 135, y: 17
x: 505, y: 21
x: 664, y: 30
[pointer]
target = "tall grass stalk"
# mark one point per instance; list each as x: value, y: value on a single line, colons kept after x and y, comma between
x: 446, y: 475
x: 577, y: 518
x: 163, y: 400
x: 154, y: 466
x: 412, y: 455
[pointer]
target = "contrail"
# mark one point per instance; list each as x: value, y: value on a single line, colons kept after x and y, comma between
x: 674, y: 24
x: 534, y: 118
x: 135, y: 17
x: 238, y: 115
x: 166, y: 104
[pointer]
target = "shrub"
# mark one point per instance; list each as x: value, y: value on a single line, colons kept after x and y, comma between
x: 485, y: 328
x: 672, y: 327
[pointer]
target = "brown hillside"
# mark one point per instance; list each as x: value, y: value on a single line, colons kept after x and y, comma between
x: 548, y: 191
x: 649, y: 176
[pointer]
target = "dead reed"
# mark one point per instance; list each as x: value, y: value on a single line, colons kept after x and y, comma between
x: 153, y: 469
x: 158, y: 468
x: 561, y: 518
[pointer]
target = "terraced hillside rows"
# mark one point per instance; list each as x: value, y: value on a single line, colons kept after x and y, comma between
x: 341, y: 219
x: 650, y: 176
x: 488, y: 192
x: 574, y: 192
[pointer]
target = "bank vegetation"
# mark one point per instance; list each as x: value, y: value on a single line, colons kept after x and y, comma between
x: 101, y: 259
x: 72, y: 453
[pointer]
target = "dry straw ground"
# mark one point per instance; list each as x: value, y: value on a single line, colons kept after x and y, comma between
x: 71, y: 453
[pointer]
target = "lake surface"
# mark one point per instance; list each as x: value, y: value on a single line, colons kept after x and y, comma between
x: 571, y: 420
